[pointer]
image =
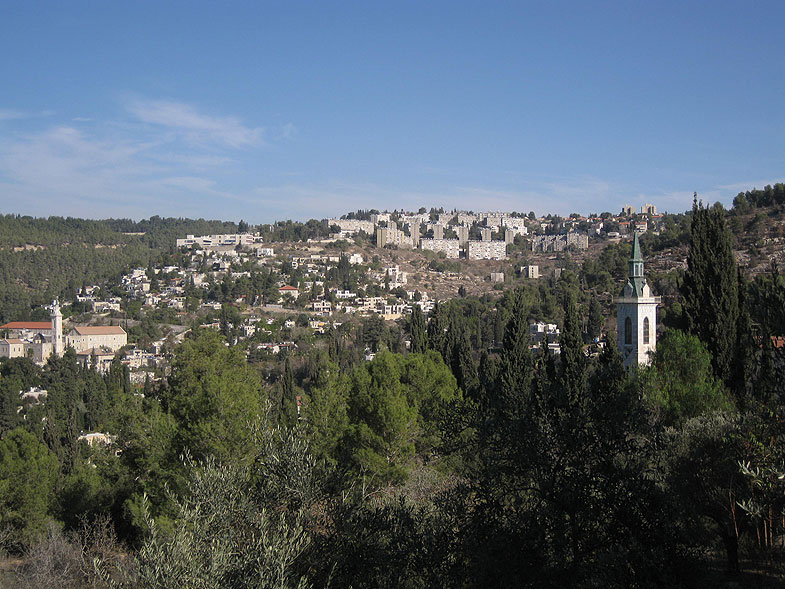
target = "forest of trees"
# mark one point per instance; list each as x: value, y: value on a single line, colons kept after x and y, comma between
x: 470, y: 460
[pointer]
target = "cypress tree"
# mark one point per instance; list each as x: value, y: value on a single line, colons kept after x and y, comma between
x: 288, y: 400
x: 710, y: 287
x: 463, y: 365
x: 436, y: 329
x: 744, y: 362
x: 572, y: 360
x: 516, y: 369
x: 596, y: 318
x: 418, y: 331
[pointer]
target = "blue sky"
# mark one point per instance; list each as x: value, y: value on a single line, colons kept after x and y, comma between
x: 276, y: 110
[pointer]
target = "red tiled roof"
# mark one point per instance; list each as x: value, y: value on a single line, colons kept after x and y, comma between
x: 287, y: 287
x: 27, y: 325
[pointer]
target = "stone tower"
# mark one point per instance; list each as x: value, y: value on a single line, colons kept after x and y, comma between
x: 57, y: 329
x: 636, y: 316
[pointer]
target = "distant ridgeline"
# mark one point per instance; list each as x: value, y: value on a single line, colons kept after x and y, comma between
x: 46, y: 258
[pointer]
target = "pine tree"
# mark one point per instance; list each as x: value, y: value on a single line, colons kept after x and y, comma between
x: 710, y: 289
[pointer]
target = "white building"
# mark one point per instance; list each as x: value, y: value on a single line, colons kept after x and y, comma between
x: 12, y: 348
x: 451, y: 247
x: 105, y: 337
x: 540, y: 331
x: 558, y: 243
x: 352, y: 226
x: 531, y: 271
x: 487, y: 250
x: 396, y: 276
x: 218, y: 240
x: 636, y: 317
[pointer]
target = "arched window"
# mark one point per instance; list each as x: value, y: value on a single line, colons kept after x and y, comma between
x: 645, y: 330
x: 628, y: 331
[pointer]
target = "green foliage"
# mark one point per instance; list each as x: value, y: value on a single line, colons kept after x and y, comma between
x: 444, y: 265
x: 96, y: 486
x: 596, y: 320
x: 28, y: 473
x: 418, y: 330
x: 213, y: 395
x: 326, y: 416
x: 378, y: 543
x: 571, y: 343
x: 710, y: 288
x: 516, y: 367
x: 557, y: 494
x: 237, y: 525
x: 295, y: 230
x: 681, y: 382
x: 150, y: 452
x: 393, y: 407
x: 770, y: 195
x: 703, y: 477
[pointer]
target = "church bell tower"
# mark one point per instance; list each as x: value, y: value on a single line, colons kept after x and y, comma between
x: 57, y: 329
x: 636, y: 316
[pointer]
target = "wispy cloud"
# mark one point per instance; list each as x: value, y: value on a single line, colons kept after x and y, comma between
x: 63, y: 168
x: 288, y: 131
x: 7, y: 114
x: 737, y: 187
x: 170, y: 159
x: 299, y: 201
x: 195, y: 126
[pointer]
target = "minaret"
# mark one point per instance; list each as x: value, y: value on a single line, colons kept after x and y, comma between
x: 57, y: 329
x: 636, y: 316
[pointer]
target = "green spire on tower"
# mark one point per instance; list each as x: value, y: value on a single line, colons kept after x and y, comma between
x: 636, y: 261
x: 636, y: 249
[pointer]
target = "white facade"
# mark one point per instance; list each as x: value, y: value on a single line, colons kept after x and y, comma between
x: 224, y: 239
x: 451, y: 247
x: 487, y: 250
x: 110, y: 337
x: 558, y: 243
x: 12, y: 348
x: 352, y: 226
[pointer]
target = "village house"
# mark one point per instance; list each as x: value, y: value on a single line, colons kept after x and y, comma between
x: 289, y: 291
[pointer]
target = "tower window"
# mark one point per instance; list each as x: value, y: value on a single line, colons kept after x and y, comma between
x: 628, y: 331
x: 645, y: 330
